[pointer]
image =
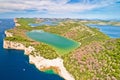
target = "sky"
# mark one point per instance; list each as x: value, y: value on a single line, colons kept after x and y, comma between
x: 82, y: 9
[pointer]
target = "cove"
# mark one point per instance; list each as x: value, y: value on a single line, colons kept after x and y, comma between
x: 14, y: 65
x: 50, y: 71
x: 111, y: 31
x: 59, y: 43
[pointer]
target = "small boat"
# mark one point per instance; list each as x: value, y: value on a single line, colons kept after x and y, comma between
x: 23, y: 69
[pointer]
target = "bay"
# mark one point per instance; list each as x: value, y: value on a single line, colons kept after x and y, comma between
x: 110, y: 30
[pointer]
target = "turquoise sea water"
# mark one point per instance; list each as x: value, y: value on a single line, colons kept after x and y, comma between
x: 50, y: 71
x: 111, y: 31
x: 58, y: 42
x: 14, y: 65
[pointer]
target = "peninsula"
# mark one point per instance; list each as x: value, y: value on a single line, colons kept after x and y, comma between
x: 70, y: 48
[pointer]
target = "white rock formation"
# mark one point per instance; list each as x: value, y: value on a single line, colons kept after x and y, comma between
x: 41, y: 62
x: 13, y: 45
x: 8, y: 34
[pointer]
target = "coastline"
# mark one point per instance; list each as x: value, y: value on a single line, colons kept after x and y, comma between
x: 39, y: 61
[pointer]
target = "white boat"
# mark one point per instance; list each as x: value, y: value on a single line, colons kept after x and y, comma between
x: 23, y: 69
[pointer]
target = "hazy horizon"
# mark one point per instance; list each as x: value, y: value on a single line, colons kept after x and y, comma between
x: 80, y: 9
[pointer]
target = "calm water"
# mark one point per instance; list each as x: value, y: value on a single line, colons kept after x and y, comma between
x: 58, y: 42
x: 50, y: 71
x: 14, y: 65
x: 50, y: 23
x: 111, y: 31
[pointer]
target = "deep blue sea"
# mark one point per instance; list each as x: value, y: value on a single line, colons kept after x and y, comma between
x: 14, y: 65
x: 111, y: 31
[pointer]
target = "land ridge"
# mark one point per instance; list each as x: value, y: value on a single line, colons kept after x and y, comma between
x: 96, y: 58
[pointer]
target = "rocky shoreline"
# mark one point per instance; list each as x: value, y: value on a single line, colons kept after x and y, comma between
x: 39, y: 61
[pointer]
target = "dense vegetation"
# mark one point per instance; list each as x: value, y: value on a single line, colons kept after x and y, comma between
x: 96, y: 59
x: 45, y: 51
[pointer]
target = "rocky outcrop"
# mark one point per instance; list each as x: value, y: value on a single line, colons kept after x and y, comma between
x: 13, y: 45
x: 8, y: 34
x: 18, y: 46
x: 29, y: 50
x: 16, y: 22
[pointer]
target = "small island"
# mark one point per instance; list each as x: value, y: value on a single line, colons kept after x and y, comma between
x: 70, y: 48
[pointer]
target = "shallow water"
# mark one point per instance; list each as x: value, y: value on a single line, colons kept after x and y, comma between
x: 50, y: 71
x: 111, y: 31
x: 14, y: 65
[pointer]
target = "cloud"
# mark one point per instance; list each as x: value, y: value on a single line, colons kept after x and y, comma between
x: 52, y: 6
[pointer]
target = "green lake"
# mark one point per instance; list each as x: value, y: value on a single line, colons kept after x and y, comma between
x: 59, y: 43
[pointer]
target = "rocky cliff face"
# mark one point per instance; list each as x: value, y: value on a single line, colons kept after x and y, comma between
x: 29, y: 50
x: 18, y: 46
x: 41, y: 63
x: 13, y: 45
x: 16, y: 22
x: 8, y: 34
